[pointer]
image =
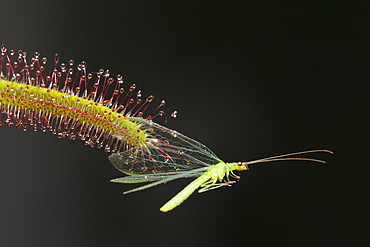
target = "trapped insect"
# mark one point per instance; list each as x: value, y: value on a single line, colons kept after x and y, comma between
x: 178, y: 156
x: 72, y: 102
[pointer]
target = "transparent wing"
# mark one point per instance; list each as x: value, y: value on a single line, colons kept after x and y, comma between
x: 166, y: 151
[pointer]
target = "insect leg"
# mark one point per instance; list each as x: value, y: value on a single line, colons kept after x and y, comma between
x: 211, y: 186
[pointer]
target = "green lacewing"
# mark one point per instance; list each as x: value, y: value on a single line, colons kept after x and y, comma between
x: 172, y: 155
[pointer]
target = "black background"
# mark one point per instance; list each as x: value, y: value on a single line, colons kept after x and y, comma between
x: 248, y: 79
